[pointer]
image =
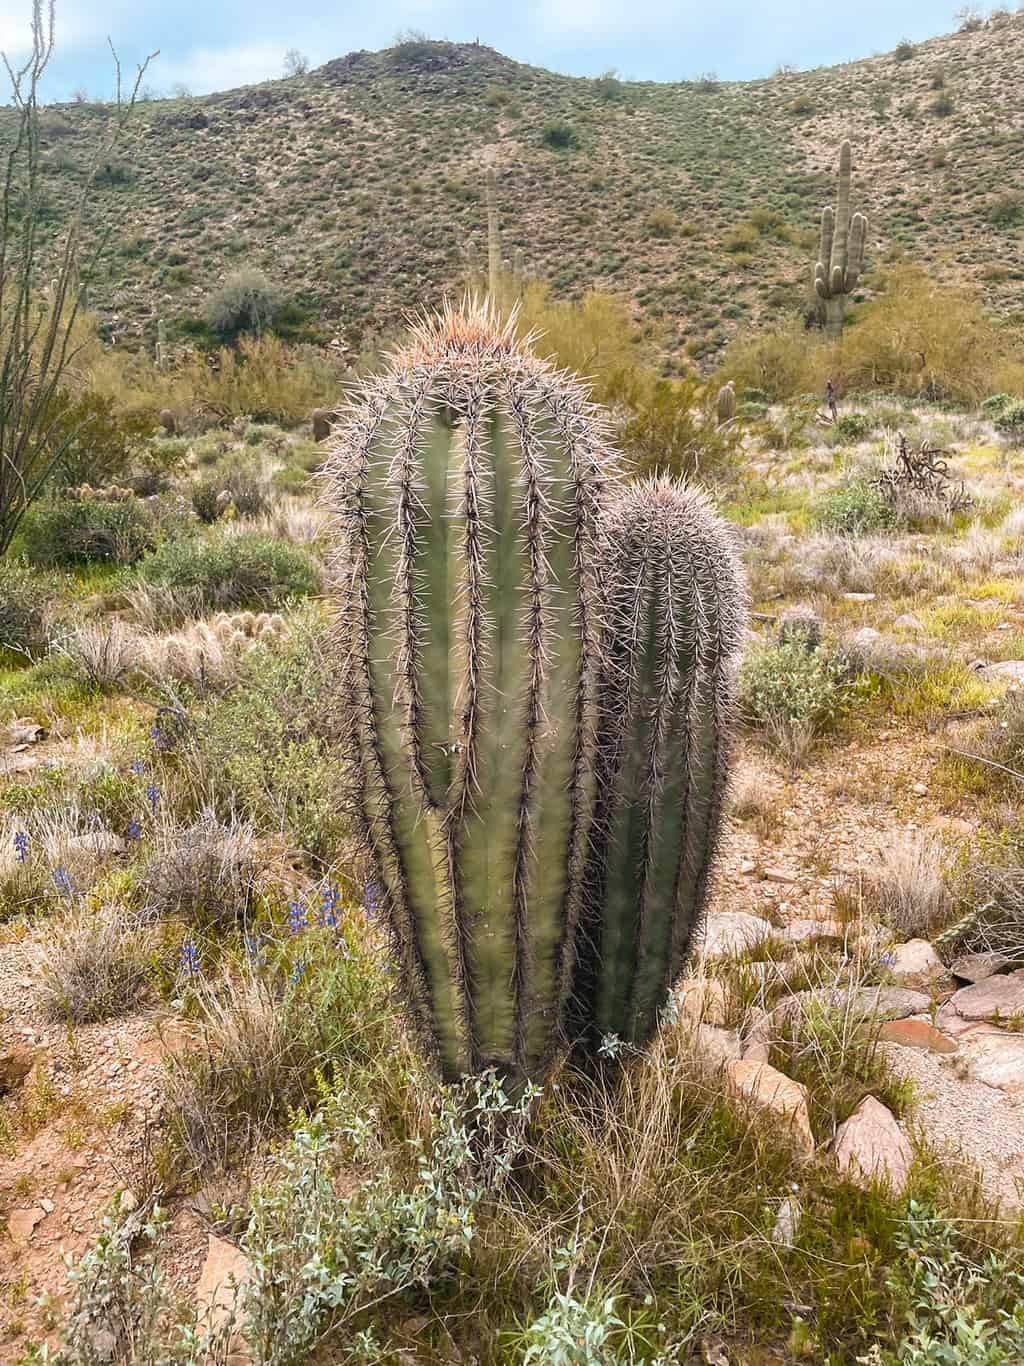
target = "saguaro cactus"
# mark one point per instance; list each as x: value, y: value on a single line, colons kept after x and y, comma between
x: 725, y: 403
x: 840, y: 250
x: 467, y: 484
x: 673, y: 626
x: 477, y: 629
x: 493, y: 235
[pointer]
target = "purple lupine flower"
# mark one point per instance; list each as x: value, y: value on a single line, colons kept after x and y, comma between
x: 189, y: 957
x: 21, y: 846
x: 330, y: 904
x: 297, y: 917
x: 371, y: 898
x: 153, y: 796
x: 62, y: 882
x: 137, y: 766
x: 297, y: 970
x: 133, y: 831
x: 254, y: 949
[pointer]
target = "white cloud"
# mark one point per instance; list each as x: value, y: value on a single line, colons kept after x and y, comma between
x: 221, y: 68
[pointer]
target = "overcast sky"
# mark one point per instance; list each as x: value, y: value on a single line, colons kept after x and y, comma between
x: 215, y: 46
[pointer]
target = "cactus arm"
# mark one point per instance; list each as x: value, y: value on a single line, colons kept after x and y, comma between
x: 855, y: 264
x: 822, y: 266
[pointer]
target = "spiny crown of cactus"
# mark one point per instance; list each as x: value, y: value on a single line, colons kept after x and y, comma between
x: 478, y: 624
x: 673, y: 627
x: 841, y: 245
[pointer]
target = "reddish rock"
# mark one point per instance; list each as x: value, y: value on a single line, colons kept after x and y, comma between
x: 15, y: 1065
x: 912, y: 1033
x: 870, y: 1147
x: 772, y: 1092
x: 21, y: 1223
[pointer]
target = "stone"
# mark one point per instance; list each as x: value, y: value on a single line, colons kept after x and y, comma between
x: 859, y: 597
x: 997, y: 1059
x: 892, y: 1003
x: 24, y: 731
x: 908, y: 622
x: 703, y: 999
x: 732, y: 933
x: 15, y: 1065
x: 807, y: 931
x: 102, y: 843
x: 778, y: 875
x: 224, y: 1272
x: 911, y: 1033
x: 1011, y: 669
x: 916, y: 964
x: 975, y: 967
x: 772, y: 1092
x: 787, y: 1223
x: 870, y: 1147
x: 21, y: 1223
x: 1000, y: 996
x: 715, y: 1046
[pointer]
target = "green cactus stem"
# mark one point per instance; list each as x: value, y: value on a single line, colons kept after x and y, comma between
x: 725, y: 404
x: 493, y: 235
x: 466, y: 483
x: 673, y: 628
x: 840, y: 250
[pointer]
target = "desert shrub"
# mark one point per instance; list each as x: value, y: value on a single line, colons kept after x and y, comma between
x: 783, y: 361
x: 660, y: 223
x: 92, y: 967
x: 609, y: 88
x: 1006, y: 210
x: 24, y: 599
x: 1011, y: 420
x: 262, y: 378
x: 201, y: 872
x: 995, y: 405
x: 246, y: 302
x: 793, y: 692
x: 990, y: 901
x: 69, y: 531
x: 248, y: 570
x: 560, y: 136
x: 854, y: 508
x: 853, y: 427
x: 102, y: 442
x: 268, y: 748
x: 661, y: 428
x: 904, y: 50
x: 942, y: 105
x: 238, y: 484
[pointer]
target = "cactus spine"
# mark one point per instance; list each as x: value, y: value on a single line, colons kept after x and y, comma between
x: 840, y: 250
x: 673, y: 627
x: 493, y: 787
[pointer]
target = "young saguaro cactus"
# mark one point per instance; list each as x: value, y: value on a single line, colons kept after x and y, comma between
x: 673, y: 627
x: 467, y: 482
x: 840, y: 250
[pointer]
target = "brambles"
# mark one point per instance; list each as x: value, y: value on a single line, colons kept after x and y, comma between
x: 918, y: 485
x: 1010, y: 420
x: 474, y: 806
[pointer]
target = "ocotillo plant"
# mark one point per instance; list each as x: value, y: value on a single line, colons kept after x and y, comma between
x: 467, y: 484
x: 673, y: 626
x: 477, y: 628
x: 840, y: 250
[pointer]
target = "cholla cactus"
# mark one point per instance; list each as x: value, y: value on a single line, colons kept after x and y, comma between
x: 673, y: 628
x: 476, y: 629
x: 840, y: 250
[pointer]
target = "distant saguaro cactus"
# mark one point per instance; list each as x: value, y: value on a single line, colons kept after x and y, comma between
x: 840, y: 250
x: 161, y: 345
x: 476, y: 629
x: 493, y: 235
x: 725, y: 404
x: 673, y: 627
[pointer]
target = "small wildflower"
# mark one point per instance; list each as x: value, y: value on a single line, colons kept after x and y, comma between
x: 329, y: 906
x: 254, y: 949
x: 887, y: 959
x: 371, y: 898
x: 62, y: 882
x: 189, y: 957
x: 133, y: 831
x: 153, y: 796
x: 21, y: 846
x: 297, y: 971
x: 297, y: 918
x: 137, y: 766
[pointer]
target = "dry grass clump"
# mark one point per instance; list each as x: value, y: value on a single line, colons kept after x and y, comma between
x: 102, y: 654
x: 202, y: 872
x: 908, y: 889
x: 92, y: 967
x: 292, y: 519
x: 155, y: 608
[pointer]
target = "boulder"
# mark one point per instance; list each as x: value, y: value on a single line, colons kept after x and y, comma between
x: 225, y: 1272
x: 975, y: 967
x: 1010, y: 670
x: 915, y: 964
x: 911, y: 1033
x: 714, y: 1046
x: 1000, y: 996
x: 21, y: 1223
x: 997, y: 1059
x: 732, y: 933
x: 808, y: 931
x: 102, y: 843
x: 703, y: 999
x: 772, y: 1092
x: 870, y: 1147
